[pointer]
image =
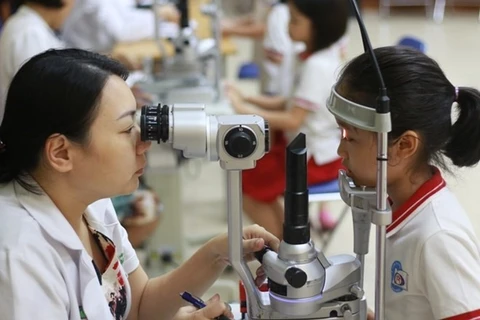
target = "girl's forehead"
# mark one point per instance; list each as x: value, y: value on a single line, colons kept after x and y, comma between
x: 343, y: 124
x: 349, y: 127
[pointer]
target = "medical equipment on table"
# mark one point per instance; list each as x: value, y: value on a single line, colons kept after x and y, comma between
x: 303, y: 283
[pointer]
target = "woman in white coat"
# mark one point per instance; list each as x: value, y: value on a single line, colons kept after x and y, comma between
x: 99, y: 24
x: 28, y: 32
x: 69, y: 142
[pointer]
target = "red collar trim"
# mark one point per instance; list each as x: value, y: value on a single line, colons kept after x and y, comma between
x: 428, y: 189
x: 472, y: 315
x: 305, y: 55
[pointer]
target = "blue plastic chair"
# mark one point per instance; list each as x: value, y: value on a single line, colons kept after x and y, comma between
x: 249, y: 71
x: 325, y: 192
x: 412, y: 42
x: 323, y: 188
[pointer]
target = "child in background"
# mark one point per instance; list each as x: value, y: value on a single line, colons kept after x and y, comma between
x: 320, y: 24
x: 277, y: 54
x: 280, y: 52
x: 252, y: 26
x: 98, y: 25
x: 29, y: 31
x: 433, y: 255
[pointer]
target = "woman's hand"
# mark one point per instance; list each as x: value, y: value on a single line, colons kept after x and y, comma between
x: 255, y: 238
x: 168, y: 13
x: 274, y: 56
x: 215, y: 308
x: 370, y: 315
x: 237, y: 100
x: 233, y: 92
x: 228, y: 26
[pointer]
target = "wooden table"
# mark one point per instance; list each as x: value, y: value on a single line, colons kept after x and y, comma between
x: 148, y: 48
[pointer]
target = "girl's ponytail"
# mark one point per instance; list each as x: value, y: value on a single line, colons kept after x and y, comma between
x: 463, y: 147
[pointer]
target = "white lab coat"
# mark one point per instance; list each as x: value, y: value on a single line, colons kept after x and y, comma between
x: 98, y: 24
x: 45, y: 272
x: 24, y: 35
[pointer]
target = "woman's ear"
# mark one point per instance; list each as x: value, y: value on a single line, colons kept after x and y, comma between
x: 404, y: 147
x: 58, y: 153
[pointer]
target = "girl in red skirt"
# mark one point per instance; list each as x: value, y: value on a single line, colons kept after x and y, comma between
x: 320, y: 24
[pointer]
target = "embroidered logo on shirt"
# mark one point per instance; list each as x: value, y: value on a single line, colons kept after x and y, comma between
x: 83, y: 316
x: 121, y: 258
x: 399, y: 280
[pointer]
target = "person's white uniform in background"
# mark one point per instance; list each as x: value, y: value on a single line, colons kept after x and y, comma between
x: 316, y: 76
x: 24, y: 35
x: 235, y: 8
x: 343, y: 45
x: 98, y: 25
x: 260, y: 14
x: 43, y: 261
x: 280, y: 77
x: 433, y: 258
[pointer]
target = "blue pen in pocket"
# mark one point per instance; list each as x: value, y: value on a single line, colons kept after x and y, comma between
x: 198, y: 303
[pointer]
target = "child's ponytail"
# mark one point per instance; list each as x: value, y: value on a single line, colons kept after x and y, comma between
x: 463, y: 148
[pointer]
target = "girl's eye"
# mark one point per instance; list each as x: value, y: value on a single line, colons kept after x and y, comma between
x: 129, y: 130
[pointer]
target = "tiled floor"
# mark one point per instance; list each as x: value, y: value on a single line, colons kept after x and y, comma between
x: 455, y: 44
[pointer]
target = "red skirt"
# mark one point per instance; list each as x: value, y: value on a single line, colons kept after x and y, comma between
x: 266, y: 182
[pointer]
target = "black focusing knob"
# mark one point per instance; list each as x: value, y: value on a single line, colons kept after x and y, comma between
x: 296, y: 277
x: 259, y: 254
x: 240, y: 142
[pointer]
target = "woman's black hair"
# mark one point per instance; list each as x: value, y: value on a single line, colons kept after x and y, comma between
x: 329, y: 19
x: 46, y: 3
x: 421, y: 99
x: 55, y: 92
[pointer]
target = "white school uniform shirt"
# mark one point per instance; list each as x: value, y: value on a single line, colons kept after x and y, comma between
x: 45, y: 272
x: 24, y: 35
x: 433, y: 258
x: 317, y: 75
x: 343, y: 45
x: 259, y: 14
x: 280, y: 77
x: 98, y: 24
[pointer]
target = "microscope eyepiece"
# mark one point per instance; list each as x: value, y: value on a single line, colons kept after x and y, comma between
x: 154, y: 123
x: 236, y: 140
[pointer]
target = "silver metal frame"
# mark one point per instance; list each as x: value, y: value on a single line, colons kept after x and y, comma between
x: 357, y: 115
x: 366, y: 118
